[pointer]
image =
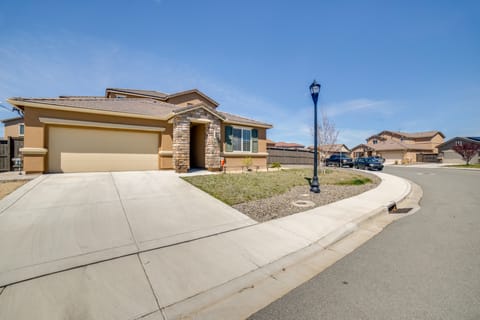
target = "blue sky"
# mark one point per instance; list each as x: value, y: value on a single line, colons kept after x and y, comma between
x: 383, y: 65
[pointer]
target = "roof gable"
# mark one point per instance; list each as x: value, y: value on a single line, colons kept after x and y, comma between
x: 475, y: 140
x: 160, y: 95
x: 411, y: 135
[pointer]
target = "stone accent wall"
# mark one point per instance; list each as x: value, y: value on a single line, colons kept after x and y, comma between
x: 212, y: 147
x: 181, y: 144
x: 181, y: 140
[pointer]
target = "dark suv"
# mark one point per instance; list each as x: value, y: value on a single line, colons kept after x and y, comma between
x: 339, y: 160
x: 370, y: 163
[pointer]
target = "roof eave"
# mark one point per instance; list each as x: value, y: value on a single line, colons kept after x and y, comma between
x: 21, y: 103
x: 249, y: 124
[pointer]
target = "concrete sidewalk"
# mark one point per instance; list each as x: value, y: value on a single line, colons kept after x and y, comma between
x: 204, y: 278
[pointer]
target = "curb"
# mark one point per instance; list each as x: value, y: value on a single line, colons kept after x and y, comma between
x: 248, y: 293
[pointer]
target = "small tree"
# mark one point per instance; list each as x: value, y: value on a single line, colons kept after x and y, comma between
x: 327, y: 135
x: 467, y: 150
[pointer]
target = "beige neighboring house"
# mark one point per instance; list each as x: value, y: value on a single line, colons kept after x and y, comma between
x: 14, y: 127
x: 131, y: 129
x: 401, y: 147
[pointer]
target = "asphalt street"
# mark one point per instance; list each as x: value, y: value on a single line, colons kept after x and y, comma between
x: 425, y: 266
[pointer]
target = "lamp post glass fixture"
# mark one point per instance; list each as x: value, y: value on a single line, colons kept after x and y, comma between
x: 314, y: 91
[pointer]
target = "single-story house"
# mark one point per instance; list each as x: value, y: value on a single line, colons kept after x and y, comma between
x: 401, y: 147
x: 447, y: 155
x: 326, y: 150
x: 131, y: 129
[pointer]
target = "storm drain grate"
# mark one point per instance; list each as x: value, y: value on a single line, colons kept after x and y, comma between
x: 401, y: 210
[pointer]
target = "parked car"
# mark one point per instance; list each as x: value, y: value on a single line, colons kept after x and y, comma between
x: 339, y: 160
x: 369, y: 163
x: 382, y: 160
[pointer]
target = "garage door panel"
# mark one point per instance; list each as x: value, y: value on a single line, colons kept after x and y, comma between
x: 87, y: 150
x: 91, y: 162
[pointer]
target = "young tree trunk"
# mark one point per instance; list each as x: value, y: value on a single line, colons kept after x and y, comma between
x: 327, y: 135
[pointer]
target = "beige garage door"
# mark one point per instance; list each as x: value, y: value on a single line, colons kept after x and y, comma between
x: 73, y: 149
x: 392, y: 156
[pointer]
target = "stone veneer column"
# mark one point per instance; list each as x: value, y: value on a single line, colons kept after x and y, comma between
x: 181, y: 143
x: 212, y: 145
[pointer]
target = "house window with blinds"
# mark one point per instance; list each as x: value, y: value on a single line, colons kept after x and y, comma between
x: 239, y: 139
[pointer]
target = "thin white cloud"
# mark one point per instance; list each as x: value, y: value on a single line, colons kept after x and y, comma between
x: 353, y: 137
x: 358, y: 105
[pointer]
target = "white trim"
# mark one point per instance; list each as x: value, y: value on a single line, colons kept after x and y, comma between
x: 33, y: 151
x: 107, y: 125
x: 165, y: 153
x: 241, y: 138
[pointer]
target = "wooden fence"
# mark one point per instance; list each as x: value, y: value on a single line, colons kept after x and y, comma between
x: 289, y: 156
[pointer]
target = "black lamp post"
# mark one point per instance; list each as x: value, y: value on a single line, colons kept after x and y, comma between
x: 314, y: 185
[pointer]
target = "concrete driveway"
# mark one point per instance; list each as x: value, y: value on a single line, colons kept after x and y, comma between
x: 57, y: 222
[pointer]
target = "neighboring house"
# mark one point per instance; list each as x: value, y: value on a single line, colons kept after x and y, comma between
x: 11, y: 143
x: 401, y: 147
x: 289, y: 145
x: 136, y: 130
x: 14, y: 127
x: 447, y: 155
x: 326, y: 150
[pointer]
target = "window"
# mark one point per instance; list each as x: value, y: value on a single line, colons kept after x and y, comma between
x: 241, y: 139
x: 375, y: 141
x: 21, y: 129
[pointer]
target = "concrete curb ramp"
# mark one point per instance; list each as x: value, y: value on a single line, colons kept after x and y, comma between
x: 198, y: 279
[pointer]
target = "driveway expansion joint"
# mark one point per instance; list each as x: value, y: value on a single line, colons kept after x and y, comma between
x: 149, y: 282
x: 124, y: 211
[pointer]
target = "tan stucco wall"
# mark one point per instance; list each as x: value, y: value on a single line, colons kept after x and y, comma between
x: 236, y: 163
x: 36, y: 133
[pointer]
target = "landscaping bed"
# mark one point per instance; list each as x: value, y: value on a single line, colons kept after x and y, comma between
x: 268, y: 195
x: 7, y: 187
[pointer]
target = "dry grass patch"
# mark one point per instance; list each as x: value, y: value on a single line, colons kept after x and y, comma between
x: 236, y: 188
x: 7, y: 187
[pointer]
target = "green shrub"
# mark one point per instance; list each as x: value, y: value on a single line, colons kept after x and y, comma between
x: 275, y: 165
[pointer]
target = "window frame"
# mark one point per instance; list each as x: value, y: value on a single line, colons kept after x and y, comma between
x: 242, y: 129
x: 20, y: 126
